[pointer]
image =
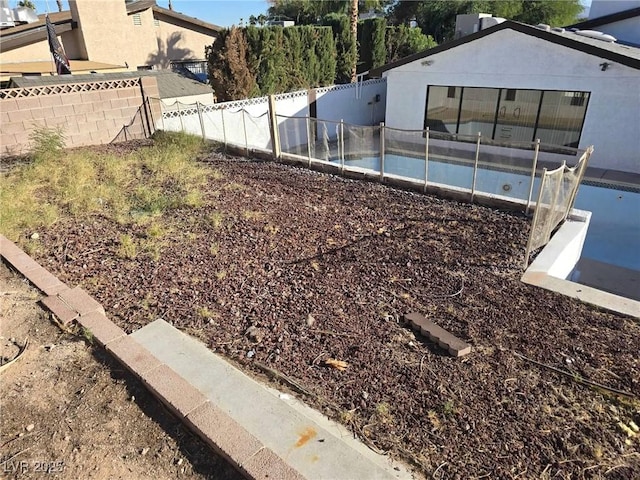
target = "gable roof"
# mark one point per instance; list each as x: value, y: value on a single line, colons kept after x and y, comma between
x: 622, y: 54
x: 21, y: 35
x: 170, y: 84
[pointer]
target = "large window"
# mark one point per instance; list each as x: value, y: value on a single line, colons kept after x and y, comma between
x: 508, y: 115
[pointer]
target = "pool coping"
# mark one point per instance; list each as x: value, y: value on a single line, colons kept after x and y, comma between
x: 558, y: 258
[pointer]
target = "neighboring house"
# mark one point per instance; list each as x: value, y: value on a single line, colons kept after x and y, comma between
x: 620, y: 19
x: 107, y: 36
x: 517, y: 83
x: 172, y: 87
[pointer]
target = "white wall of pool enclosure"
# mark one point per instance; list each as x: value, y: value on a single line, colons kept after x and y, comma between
x: 245, y: 123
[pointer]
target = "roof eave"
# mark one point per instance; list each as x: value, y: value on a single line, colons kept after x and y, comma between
x: 521, y: 28
x: 210, y: 27
x: 607, y: 19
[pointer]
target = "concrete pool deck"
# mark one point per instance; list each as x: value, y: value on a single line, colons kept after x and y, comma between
x: 264, y: 433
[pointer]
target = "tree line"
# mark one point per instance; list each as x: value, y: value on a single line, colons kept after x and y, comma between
x: 329, y: 45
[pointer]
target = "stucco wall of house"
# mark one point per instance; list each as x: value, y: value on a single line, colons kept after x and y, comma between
x: 175, y: 42
x: 33, y: 53
x: 117, y: 38
x: 509, y: 59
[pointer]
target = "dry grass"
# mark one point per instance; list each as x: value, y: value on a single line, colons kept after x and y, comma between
x: 129, y: 188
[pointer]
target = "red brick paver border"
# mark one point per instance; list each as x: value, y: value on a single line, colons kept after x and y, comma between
x: 103, y: 330
x: 223, y: 434
x: 60, y: 309
x: 267, y: 465
x: 80, y: 301
x: 179, y: 395
x: 439, y: 335
x: 132, y: 355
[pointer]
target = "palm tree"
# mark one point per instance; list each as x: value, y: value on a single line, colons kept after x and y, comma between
x: 354, y: 34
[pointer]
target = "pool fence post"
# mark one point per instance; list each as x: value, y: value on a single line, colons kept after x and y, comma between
x: 224, y: 132
x: 426, y: 159
x: 201, y: 120
x: 273, y: 129
x: 554, y: 200
x: 246, y: 139
x: 381, y: 152
x: 475, y: 167
x: 341, y: 146
x: 534, y: 222
x: 533, y: 175
x: 180, y: 116
x: 308, y: 142
x: 582, y: 166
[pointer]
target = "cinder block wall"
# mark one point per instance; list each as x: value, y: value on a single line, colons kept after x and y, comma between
x: 88, y: 113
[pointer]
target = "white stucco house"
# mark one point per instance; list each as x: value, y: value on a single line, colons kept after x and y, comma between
x: 517, y: 83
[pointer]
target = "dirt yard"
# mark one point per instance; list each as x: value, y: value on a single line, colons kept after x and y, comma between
x: 285, y: 268
x: 70, y: 412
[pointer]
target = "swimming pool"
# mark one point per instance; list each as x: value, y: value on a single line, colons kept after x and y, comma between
x: 614, y: 232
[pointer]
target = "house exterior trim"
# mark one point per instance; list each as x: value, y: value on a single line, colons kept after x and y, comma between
x: 588, y: 48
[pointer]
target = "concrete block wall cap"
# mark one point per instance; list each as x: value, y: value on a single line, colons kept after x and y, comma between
x: 61, y: 310
x: 102, y: 329
x: 173, y: 390
x: 132, y: 355
x: 223, y: 433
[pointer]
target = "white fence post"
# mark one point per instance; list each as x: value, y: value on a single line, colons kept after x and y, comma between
x: 180, y: 115
x: 308, y: 141
x: 246, y: 139
x: 475, y: 167
x: 273, y: 125
x: 201, y: 120
x: 533, y: 175
x: 341, y: 146
x: 224, y: 131
x: 162, y: 114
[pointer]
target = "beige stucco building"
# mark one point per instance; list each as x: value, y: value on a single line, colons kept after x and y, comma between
x: 106, y: 36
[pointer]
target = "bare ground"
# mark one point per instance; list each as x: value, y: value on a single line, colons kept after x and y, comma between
x: 324, y: 268
x: 70, y: 412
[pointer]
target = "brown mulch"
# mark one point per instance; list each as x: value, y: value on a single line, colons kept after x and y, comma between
x: 325, y: 267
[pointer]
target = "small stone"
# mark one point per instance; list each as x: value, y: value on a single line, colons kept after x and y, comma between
x: 30, y: 427
x: 179, y: 462
x: 365, y: 395
x: 67, y: 438
x: 48, y: 347
x: 144, y: 451
x: 310, y: 321
x: 254, y: 333
x: 35, y: 236
x: 133, y: 398
x: 250, y: 354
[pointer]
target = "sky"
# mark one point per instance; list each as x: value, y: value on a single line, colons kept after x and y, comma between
x: 223, y: 13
